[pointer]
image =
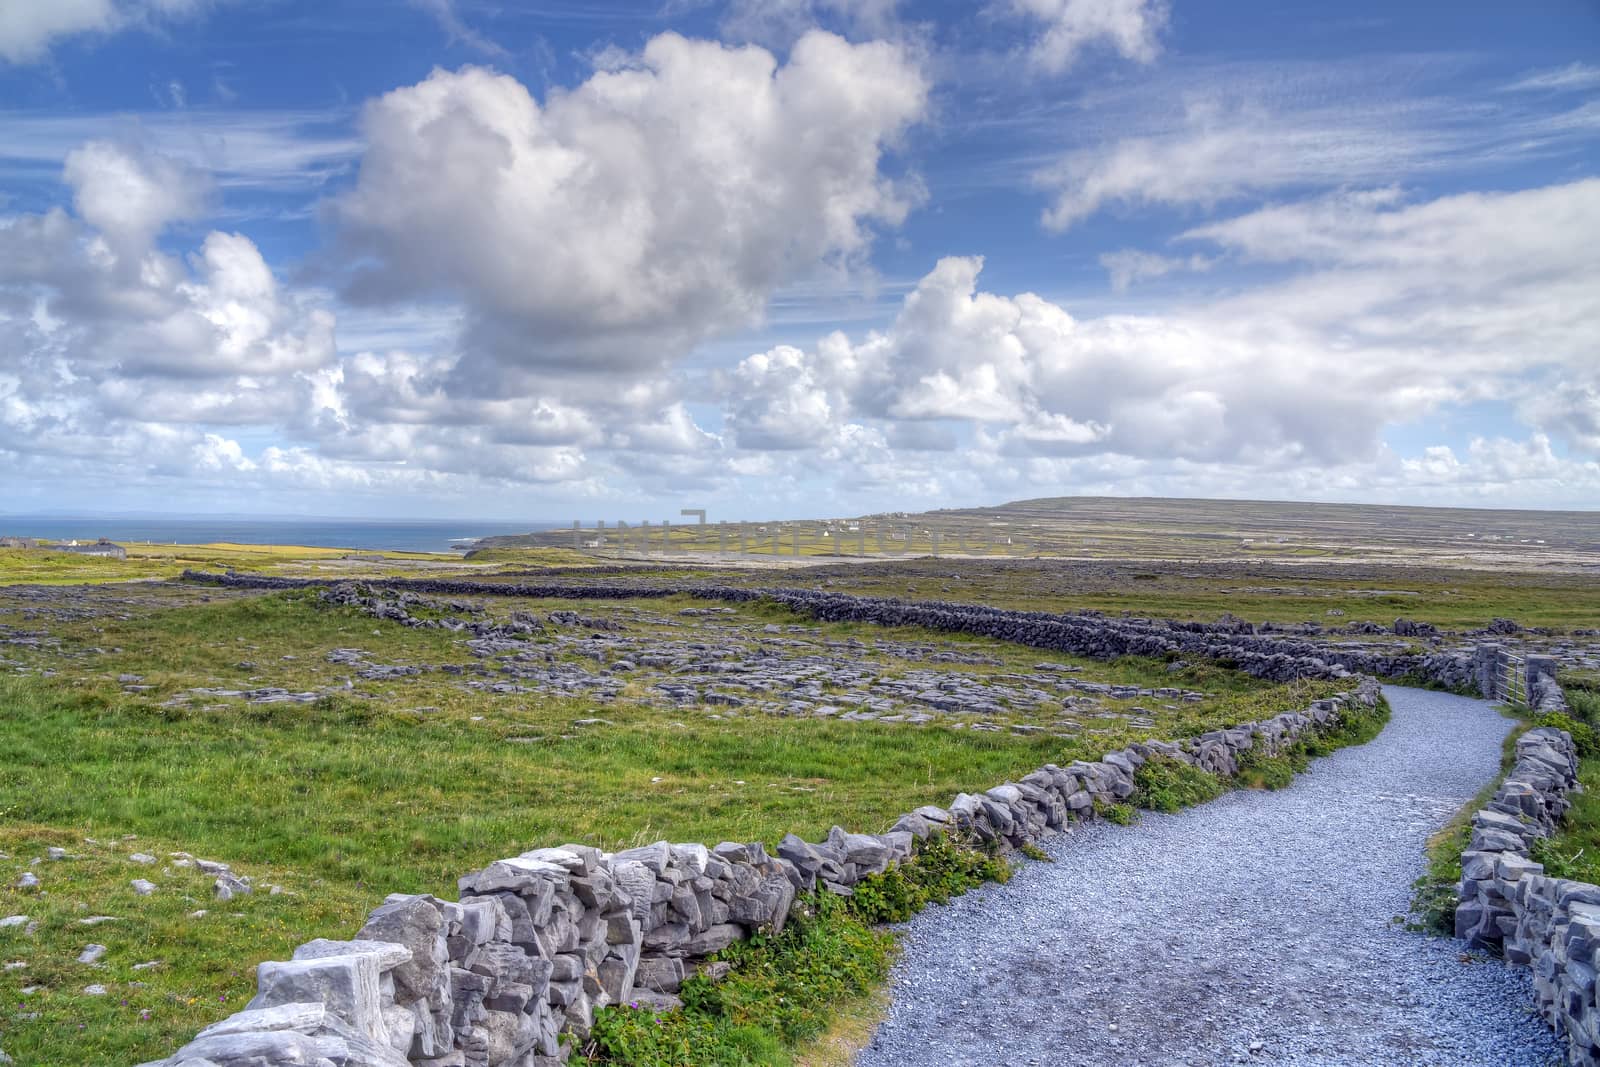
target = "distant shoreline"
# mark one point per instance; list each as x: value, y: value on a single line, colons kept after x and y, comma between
x: 415, y: 535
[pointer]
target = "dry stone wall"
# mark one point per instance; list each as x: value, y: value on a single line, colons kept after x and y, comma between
x: 1269, y: 655
x: 511, y: 974
x: 1509, y: 906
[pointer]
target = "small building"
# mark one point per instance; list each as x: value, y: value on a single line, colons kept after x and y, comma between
x: 18, y: 542
x: 102, y: 547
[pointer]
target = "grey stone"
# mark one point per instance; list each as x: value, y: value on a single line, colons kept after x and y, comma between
x: 348, y: 985
x: 637, y: 882
x: 277, y: 1048
x: 767, y: 905
x: 654, y: 857
x: 305, y: 1018
x: 513, y: 874
x: 416, y: 924
x: 714, y: 939
x: 661, y: 973
x: 385, y: 954
x: 226, y: 887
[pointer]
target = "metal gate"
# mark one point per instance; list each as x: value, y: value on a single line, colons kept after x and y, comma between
x: 1513, y: 680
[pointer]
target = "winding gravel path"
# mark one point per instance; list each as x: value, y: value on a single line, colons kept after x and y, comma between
x: 1253, y: 929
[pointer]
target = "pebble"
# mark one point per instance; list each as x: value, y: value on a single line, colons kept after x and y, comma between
x: 13, y: 920
x: 1260, y: 913
x: 94, y: 990
x: 142, y: 887
x: 92, y: 954
x: 29, y: 880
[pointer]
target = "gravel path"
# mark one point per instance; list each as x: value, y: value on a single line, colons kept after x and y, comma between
x: 1253, y: 929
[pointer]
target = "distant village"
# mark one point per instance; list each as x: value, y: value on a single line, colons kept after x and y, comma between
x: 103, y: 547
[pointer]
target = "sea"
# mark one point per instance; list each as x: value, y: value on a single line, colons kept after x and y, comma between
x: 394, y: 535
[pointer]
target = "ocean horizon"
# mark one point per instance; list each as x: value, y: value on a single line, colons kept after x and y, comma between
x: 392, y: 535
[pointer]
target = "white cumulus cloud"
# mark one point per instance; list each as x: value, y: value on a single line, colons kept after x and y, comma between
x: 615, y: 224
x: 29, y: 28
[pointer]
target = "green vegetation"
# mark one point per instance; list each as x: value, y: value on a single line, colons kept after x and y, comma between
x: 1120, y: 528
x: 32, y: 566
x: 940, y: 869
x: 1169, y: 785
x: 1118, y: 812
x: 1325, y: 595
x: 1433, y: 895
x: 1575, y: 851
x: 204, y: 963
x: 1356, y: 726
x: 783, y: 991
x: 401, y: 785
x: 85, y: 754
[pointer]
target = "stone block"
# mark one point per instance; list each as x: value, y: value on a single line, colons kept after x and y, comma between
x: 661, y: 973
x: 714, y: 939
x: 511, y: 875
x: 347, y: 985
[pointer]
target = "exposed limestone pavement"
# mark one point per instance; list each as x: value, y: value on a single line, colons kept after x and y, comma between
x: 1257, y: 928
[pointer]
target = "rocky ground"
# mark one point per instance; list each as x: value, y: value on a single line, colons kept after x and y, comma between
x: 722, y: 663
x: 1255, y: 929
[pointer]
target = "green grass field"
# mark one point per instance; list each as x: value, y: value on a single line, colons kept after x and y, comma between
x: 153, y: 561
x: 1326, y: 595
x: 402, y: 784
x: 355, y: 796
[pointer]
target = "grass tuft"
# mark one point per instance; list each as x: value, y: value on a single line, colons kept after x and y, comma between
x: 1169, y: 785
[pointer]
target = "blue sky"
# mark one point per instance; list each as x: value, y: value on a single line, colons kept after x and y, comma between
x: 794, y: 257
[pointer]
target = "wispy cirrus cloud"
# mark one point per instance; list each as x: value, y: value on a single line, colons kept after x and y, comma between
x: 1197, y: 138
x: 1574, y: 77
x: 444, y: 12
x: 273, y: 150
